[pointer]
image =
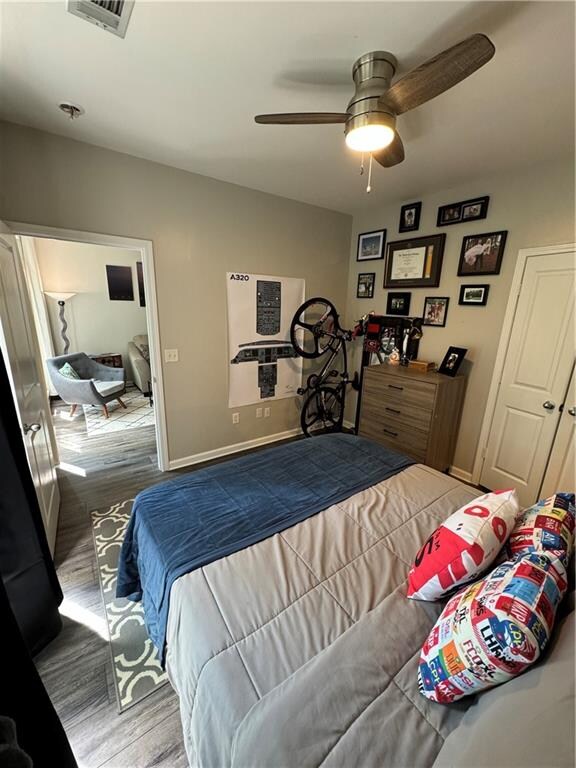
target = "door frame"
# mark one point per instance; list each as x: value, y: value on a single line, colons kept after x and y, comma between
x: 523, y: 255
x: 147, y: 253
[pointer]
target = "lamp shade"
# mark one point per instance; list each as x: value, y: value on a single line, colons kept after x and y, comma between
x: 60, y: 295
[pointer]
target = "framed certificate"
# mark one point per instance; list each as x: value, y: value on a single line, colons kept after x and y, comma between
x: 408, y: 263
x: 414, y: 263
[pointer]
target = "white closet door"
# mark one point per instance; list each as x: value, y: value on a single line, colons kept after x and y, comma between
x: 539, y: 361
x: 561, y: 470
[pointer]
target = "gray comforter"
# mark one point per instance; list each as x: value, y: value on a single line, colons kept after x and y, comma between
x: 302, y: 650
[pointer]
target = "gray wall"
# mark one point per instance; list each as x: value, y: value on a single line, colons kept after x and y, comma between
x: 201, y: 228
x: 536, y: 206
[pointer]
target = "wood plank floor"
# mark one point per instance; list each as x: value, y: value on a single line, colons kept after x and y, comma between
x: 76, y: 666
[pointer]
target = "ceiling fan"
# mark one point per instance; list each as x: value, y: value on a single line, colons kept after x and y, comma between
x: 370, y: 117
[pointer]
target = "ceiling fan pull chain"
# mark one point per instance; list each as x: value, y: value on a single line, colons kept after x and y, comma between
x: 369, y: 186
x: 362, y: 164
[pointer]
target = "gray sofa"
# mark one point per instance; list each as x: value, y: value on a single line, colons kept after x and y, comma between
x: 98, y: 384
x: 140, y: 362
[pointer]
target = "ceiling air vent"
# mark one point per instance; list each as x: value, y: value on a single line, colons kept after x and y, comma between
x: 111, y: 15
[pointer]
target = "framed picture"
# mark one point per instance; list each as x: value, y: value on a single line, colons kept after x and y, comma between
x: 474, y: 295
x: 365, y: 289
x: 410, y: 217
x: 482, y: 254
x: 466, y: 210
x: 435, y: 310
x: 452, y: 361
x: 120, y: 286
x: 415, y: 263
x: 398, y: 303
x: 371, y: 245
x: 140, y: 275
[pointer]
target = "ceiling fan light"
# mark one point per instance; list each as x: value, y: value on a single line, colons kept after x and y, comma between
x: 369, y: 138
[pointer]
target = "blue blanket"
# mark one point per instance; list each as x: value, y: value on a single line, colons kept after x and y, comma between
x: 197, y: 518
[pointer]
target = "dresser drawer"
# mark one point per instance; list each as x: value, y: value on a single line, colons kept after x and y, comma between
x: 388, y: 408
x: 395, y: 434
x: 395, y: 390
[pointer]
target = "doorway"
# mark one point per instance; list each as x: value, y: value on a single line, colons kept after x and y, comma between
x: 70, y: 260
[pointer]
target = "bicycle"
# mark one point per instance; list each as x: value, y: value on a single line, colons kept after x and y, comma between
x: 315, y: 330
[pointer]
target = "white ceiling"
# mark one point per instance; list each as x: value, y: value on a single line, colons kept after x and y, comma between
x: 183, y: 86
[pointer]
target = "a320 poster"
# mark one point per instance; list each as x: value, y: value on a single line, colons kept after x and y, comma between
x: 262, y: 362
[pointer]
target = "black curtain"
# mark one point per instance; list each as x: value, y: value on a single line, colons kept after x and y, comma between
x: 29, y: 599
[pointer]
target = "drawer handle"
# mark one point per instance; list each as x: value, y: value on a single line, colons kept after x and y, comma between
x: 395, y: 386
x: 393, y: 410
x: 388, y: 432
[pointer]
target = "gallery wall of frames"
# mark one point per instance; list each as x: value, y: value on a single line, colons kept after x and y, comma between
x: 448, y: 258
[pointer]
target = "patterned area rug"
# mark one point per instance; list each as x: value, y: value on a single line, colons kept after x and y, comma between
x: 138, y: 413
x: 137, y: 671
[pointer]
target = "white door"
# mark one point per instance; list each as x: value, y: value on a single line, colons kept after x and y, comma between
x: 561, y: 470
x: 22, y: 357
x: 537, y: 369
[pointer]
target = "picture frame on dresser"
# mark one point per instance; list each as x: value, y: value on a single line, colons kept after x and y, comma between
x: 414, y: 263
x: 452, y: 361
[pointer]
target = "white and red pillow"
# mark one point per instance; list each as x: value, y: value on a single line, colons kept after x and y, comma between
x: 464, y: 545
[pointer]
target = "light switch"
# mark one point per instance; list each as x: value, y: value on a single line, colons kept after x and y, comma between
x: 170, y: 355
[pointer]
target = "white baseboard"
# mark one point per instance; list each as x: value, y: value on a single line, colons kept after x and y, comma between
x: 461, y: 474
x: 349, y: 424
x: 227, y: 450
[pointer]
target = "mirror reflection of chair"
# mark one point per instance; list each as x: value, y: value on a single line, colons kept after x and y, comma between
x: 92, y: 384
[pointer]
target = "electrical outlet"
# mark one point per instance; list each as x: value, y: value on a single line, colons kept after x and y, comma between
x: 266, y: 412
x: 170, y: 355
x: 236, y: 418
x: 258, y: 413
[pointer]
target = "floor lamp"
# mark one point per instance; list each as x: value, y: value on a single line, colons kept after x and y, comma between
x: 62, y: 298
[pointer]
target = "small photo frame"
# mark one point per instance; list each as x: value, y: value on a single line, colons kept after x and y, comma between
x: 435, y: 311
x: 482, y: 254
x: 365, y: 288
x: 371, y: 245
x: 410, y: 217
x: 466, y: 210
x: 398, y: 303
x: 474, y: 295
x: 452, y: 361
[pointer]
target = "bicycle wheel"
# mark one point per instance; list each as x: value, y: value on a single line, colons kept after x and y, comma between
x: 322, y: 412
x: 313, y: 327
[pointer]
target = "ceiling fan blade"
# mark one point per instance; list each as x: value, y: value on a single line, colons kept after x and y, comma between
x: 440, y: 73
x: 392, y: 154
x: 302, y: 118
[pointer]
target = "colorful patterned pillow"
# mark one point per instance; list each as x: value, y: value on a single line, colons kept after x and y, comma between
x: 68, y: 371
x: 464, y: 546
x: 546, y: 526
x: 494, y: 629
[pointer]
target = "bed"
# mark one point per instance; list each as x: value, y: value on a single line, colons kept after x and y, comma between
x: 301, y: 649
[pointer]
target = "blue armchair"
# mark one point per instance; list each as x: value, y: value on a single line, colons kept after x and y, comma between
x: 98, y: 384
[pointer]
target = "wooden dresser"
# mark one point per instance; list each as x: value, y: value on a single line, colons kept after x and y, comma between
x: 414, y: 413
